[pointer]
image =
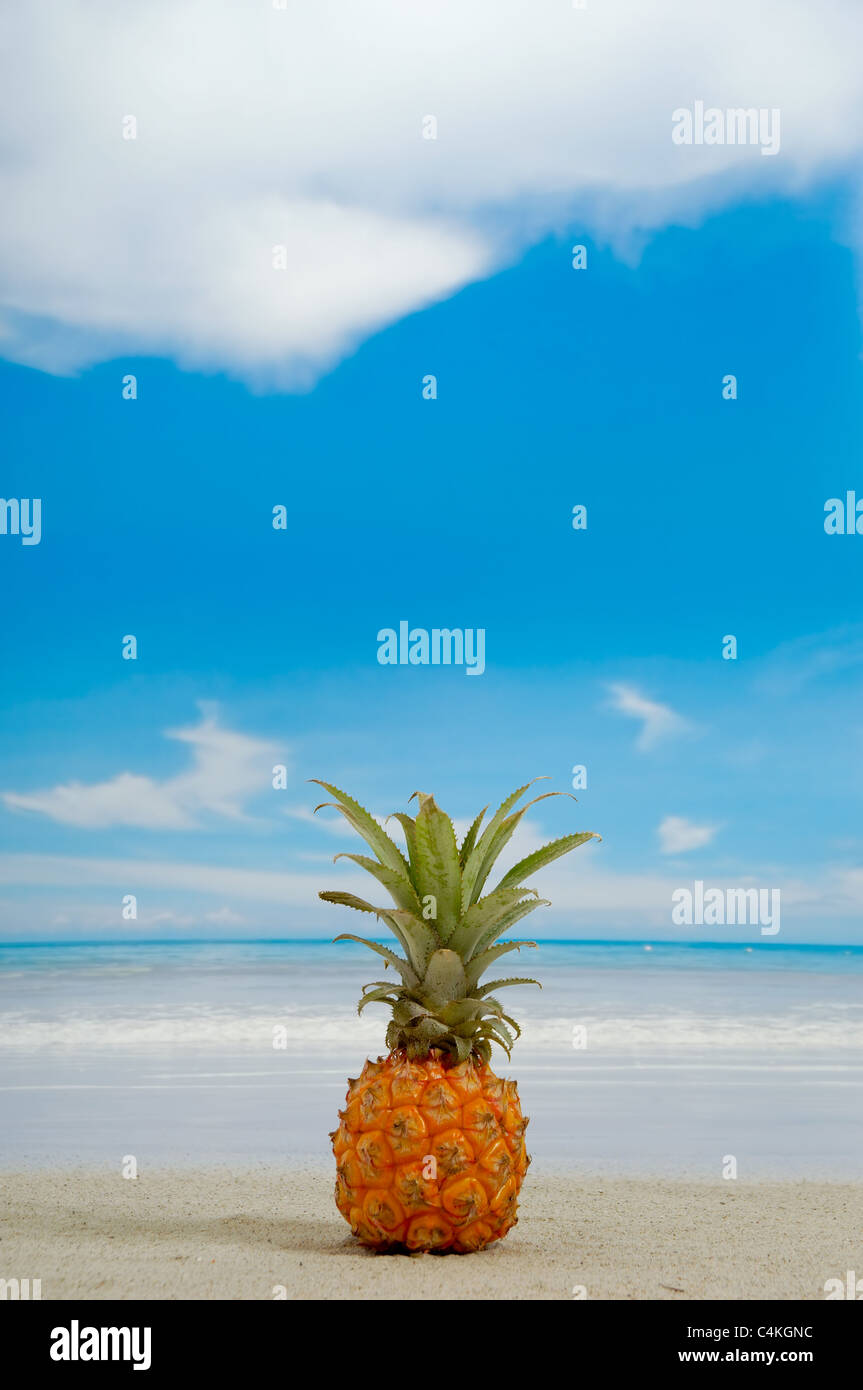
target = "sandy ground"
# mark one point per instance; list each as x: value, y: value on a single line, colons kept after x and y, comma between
x: 187, y: 1234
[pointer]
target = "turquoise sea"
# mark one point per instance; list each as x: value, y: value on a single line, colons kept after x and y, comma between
x: 635, y: 1057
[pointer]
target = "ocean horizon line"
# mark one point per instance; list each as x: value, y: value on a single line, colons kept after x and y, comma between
x: 642, y: 941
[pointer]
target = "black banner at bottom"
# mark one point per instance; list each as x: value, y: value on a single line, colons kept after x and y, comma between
x: 151, y: 1338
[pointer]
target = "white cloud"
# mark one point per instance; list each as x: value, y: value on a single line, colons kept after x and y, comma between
x: 585, y: 889
x: 580, y: 886
x: 285, y: 887
x: 677, y: 835
x: 227, y: 770
x: 332, y: 824
x: 301, y: 127
x: 658, y: 722
x: 585, y: 892
x: 221, y: 917
x: 805, y: 660
x: 224, y: 917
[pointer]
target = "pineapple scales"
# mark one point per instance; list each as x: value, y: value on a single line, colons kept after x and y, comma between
x: 430, y: 1150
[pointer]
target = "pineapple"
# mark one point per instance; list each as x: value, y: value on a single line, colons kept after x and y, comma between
x: 430, y: 1150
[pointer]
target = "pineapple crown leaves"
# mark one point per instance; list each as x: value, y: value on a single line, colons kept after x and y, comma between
x: 447, y: 930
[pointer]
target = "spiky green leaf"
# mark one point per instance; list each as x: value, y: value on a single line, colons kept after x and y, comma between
x: 437, y: 872
x: 499, y: 984
x: 406, y: 1010
x: 444, y: 978
x: 498, y: 1031
x: 480, y: 963
x: 462, y: 1047
x: 395, y: 881
x: 546, y: 855
x: 408, y: 825
x: 475, y: 858
x: 377, y: 996
x: 365, y: 824
x: 485, y: 914
x: 422, y: 939
x: 415, y: 937
x: 333, y: 895
x: 504, y: 923
x: 409, y: 975
x: 461, y: 1010
x: 469, y: 840
x: 428, y: 1028
x: 501, y: 839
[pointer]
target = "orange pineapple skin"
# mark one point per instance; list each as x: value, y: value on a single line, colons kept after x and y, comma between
x: 398, y: 1115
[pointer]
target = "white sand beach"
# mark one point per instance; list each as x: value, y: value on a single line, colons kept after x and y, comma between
x: 263, y: 1233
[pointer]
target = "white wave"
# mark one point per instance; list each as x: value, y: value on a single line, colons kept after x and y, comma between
x: 797, y: 1032
x: 192, y: 1028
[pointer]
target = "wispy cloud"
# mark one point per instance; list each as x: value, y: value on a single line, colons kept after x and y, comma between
x: 658, y: 722
x: 228, y: 769
x: 238, y: 884
x: 585, y: 893
x: 816, y: 657
x: 332, y: 824
x: 677, y: 835
x: 375, y: 221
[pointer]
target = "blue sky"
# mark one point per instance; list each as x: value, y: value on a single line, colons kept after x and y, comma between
x: 280, y: 259
x: 603, y: 647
